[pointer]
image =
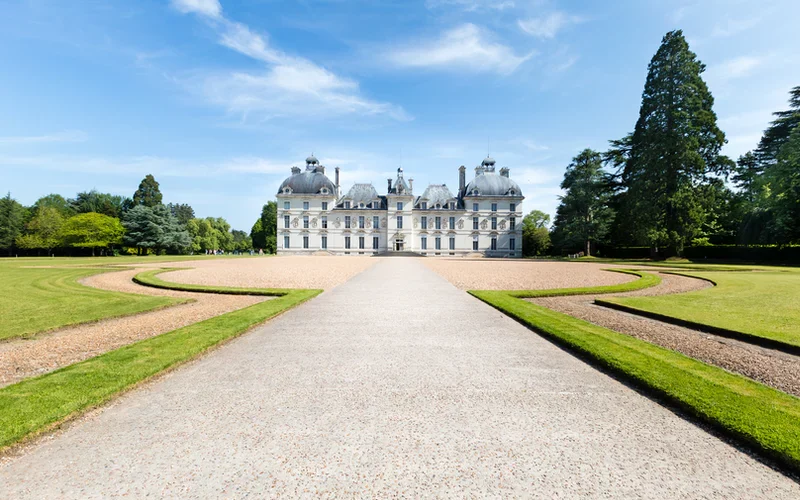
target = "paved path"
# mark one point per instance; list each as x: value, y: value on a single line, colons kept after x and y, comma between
x: 393, y: 384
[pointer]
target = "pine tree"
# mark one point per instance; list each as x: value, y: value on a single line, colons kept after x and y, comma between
x: 675, y: 148
x: 148, y: 193
x: 12, y: 220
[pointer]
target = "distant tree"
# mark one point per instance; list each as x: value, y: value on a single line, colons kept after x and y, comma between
x: 143, y: 229
x: 783, y: 180
x: 583, y: 217
x: 241, y: 240
x: 148, y: 193
x: 101, y: 203
x: 535, y: 234
x: 12, y: 220
x: 175, y: 238
x: 269, y: 223
x: 44, y: 230
x: 222, y: 231
x: 54, y: 201
x: 746, y: 175
x: 257, y: 235
x: 204, y: 236
x: 92, y: 230
x: 779, y: 131
x: 182, y: 211
x: 674, y: 148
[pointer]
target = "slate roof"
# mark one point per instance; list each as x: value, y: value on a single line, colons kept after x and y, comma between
x: 361, y: 193
x: 491, y: 184
x: 435, y: 193
x: 309, y: 182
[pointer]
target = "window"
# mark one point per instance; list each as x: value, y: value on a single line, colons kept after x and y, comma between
x: 347, y: 242
x: 324, y: 205
x: 285, y: 242
x: 347, y: 205
x: 347, y: 222
x: 475, y: 222
x: 474, y: 207
x: 324, y: 222
x: 512, y: 223
x: 438, y: 243
x: 424, y: 205
x: 474, y: 242
x: 494, y: 222
x: 452, y: 205
x: 361, y: 222
x: 305, y: 205
x: 399, y: 205
x: 376, y: 204
x: 361, y: 242
x: 423, y: 243
x: 399, y: 222
x: 452, y: 224
x: 305, y: 222
x: 494, y: 207
x: 438, y: 206
x: 375, y: 242
x: 438, y: 222
x: 424, y: 222
x: 287, y: 205
x: 513, y: 207
x: 376, y: 222
x: 324, y: 190
x: 494, y: 243
x: 324, y: 242
x: 452, y: 243
x: 512, y: 244
x: 360, y: 205
x: 286, y: 221
x: 305, y: 241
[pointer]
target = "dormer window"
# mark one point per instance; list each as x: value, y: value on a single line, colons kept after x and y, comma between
x: 360, y: 205
x: 347, y: 205
x: 512, y: 192
x: 424, y: 205
x: 287, y: 190
x: 438, y: 206
x: 474, y: 192
x: 324, y: 190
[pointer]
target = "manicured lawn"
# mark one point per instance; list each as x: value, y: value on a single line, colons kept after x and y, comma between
x: 646, y: 280
x: 761, y: 304
x: 759, y: 416
x: 36, y: 404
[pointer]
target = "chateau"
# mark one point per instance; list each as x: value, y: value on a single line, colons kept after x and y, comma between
x: 483, y: 217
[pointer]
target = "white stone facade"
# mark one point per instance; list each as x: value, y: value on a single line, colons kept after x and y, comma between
x: 483, y: 218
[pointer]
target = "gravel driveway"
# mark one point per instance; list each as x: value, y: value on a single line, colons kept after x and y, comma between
x: 394, y: 384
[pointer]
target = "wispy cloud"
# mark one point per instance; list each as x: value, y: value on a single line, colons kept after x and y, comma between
x: 734, y: 68
x: 65, y: 136
x: 466, y: 47
x: 729, y: 27
x: 289, y: 85
x: 471, y: 5
x: 548, y: 26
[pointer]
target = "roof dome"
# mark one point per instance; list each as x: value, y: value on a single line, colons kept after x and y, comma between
x: 492, y: 185
x: 488, y: 161
x: 308, y: 182
x: 312, y: 160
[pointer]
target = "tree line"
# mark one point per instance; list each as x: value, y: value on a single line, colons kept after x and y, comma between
x: 103, y: 223
x: 666, y: 186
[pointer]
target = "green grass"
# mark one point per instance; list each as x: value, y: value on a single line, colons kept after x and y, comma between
x: 759, y: 416
x: 34, y: 300
x: 756, y: 305
x: 150, y: 278
x: 35, y: 405
x: 646, y: 280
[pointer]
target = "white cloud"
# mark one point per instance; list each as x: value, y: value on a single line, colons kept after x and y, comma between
x: 65, y: 136
x: 208, y: 8
x: 547, y: 26
x: 466, y: 47
x: 734, y: 68
x: 471, y: 5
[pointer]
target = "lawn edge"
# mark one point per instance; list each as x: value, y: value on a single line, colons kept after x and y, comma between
x: 646, y: 280
x: 608, y: 364
x: 150, y: 278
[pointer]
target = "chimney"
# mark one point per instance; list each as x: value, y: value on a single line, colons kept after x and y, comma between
x: 462, y: 178
x: 338, y: 188
x: 504, y: 172
x: 410, y: 186
x: 295, y: 170
x: 389, y: 187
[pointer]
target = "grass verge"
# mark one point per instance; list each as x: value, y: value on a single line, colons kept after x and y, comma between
x: 150, y: 278
x: 646, y: 280
x: 38, y: 404
x: 763, y: 418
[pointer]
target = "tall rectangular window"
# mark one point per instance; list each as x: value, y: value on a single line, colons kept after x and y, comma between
x: 361, y: 222
x: 438, y: 243
x: 347, y: 205
x: 424, y: 222
x: 424, y: 205
x: 494, y: 207
x: 399, y: 205
x: 361, y: 242
x: 494, y: 222
x: 512, y: 223
x: 423, y: 243
x: 305, y: 241
x: 399, y: 222
x: 438, y: 222
x: 512, y: 244
x: 286, y: 221
x: 475, y: 243
x: 287, y: 205
x: 376, y: 222
x: 347, y: 222
x: 347, y: 242
x: 512, y: 207
x: 494, y: 243
x: 305, y: 205
x: 305, y: 222
x: 324, y: 205
x: 324, y: 222
x: 474, y: 207
x: 285, y: 242
x: 475, y: 223
x: 452, y: 223
x: 452, y: 243
x: 324, y: 242
x: 375, y: 242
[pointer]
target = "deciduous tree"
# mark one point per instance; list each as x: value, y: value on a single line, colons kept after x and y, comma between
x: 44, y: 230
x: 535, y: 234
x: 93, y: 230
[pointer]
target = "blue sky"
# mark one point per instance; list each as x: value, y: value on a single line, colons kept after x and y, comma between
x: 219, y: 98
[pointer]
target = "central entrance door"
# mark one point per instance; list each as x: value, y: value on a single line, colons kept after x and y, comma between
x: 398, y: 245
